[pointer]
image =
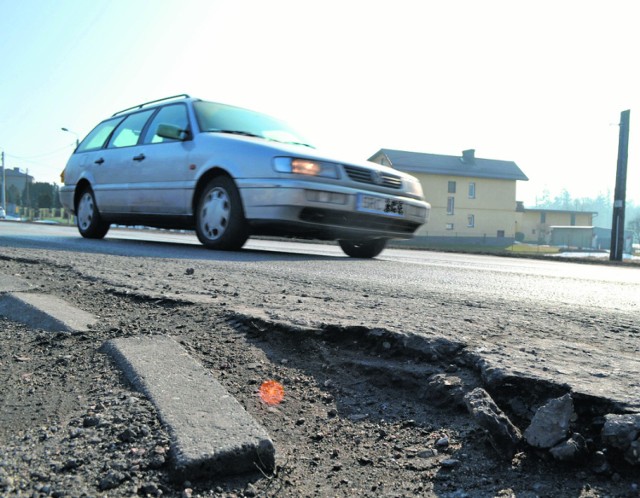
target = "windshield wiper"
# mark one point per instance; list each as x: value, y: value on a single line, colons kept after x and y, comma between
x: 300, y: 143
x: 237, y: 132
x: 249, y: 134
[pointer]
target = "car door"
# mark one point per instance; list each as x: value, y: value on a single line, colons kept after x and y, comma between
x: 159, y: 176
x: 121, y: 154
x: 95, y: 163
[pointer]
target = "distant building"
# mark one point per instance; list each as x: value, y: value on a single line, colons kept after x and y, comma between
x: 603, y: 239
x: 535, y: 223
x: 473, y: 200
x: 579, y: 237
x: 16, y: 181
x: 17, y: 178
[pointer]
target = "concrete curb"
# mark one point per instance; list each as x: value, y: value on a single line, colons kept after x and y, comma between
x: 44, y: 312
x: 211, y: 433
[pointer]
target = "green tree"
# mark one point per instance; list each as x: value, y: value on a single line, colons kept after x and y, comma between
x: 56, y: 197
x: 40, y: 195
x: 634, y: 226
x: 13, y: 195
x: 44, y: 200
x: 632, y: 218
x: 563, y: 201
x: 601, y: 205
x: 544, y: 200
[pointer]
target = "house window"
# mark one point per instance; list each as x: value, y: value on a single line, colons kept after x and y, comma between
x: 449, y: 226
x: 452, y: 187
x: 573, y: 219
x: 471, y: 221
x: 543, y: 217
x: 501, y: 234
x: 450, y: 205
x: 472, y: 190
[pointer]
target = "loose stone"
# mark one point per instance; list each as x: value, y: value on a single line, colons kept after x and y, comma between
x: 503, y: 435
x: 550, y: 424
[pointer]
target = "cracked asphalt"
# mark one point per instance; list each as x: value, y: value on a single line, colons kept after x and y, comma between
x: 351, y: 352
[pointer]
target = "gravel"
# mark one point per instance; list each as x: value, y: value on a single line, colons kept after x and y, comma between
x: 359, y: 417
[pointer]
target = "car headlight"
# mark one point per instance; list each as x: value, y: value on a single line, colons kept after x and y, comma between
x: 302, y: 166
x: 413, y: 186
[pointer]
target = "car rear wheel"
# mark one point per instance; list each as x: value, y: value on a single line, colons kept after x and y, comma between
x: 220, y: 222
x: 363, y: 248
x: 90, y: 223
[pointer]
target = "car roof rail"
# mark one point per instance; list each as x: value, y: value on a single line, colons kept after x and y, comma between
x: 140, y: 106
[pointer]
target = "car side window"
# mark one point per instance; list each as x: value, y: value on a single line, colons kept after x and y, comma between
x: 174, y: 115
x: 99, y: 135
x: 128, y: 132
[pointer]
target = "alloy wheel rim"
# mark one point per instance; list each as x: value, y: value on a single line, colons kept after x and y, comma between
x: 85, y: 211
x: 214, y: 213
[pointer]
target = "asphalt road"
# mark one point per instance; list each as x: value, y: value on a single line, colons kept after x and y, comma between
x: 569, y: 324
x: 528, y: 330
x: 547, y: 283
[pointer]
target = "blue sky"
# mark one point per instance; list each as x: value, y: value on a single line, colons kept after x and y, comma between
x: 541, y: 83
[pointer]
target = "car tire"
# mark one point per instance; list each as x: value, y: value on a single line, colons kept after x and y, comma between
x: 363, y: 248
x: 90, y: 223
x: 220, y: 221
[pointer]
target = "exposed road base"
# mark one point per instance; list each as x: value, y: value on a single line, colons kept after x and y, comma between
x: 211, y: 433
x: 443, y: 372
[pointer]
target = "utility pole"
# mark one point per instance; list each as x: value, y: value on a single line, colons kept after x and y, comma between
x: 617, y: 224
x: 4, y: 185
x: 27, y: 202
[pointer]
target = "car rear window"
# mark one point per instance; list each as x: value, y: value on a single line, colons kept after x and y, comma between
x: 99, y: 135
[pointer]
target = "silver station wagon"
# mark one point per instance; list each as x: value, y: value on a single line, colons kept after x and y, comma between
x: 229, y: 173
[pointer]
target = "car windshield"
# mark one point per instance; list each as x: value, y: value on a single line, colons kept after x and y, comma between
x: 213, y: 117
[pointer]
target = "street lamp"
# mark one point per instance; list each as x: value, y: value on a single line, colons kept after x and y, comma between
x: 74, y: 133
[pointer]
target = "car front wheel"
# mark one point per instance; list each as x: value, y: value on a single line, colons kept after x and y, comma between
x: 363, y: 248
x: 220, y: 222
x: 90, y: 223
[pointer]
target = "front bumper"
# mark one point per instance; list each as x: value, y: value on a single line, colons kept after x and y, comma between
x: 327, y: 211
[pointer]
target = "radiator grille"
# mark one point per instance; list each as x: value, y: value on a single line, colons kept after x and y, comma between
x: 373, y: 177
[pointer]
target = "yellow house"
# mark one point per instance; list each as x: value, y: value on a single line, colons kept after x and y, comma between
x: 536, y: 223
x: 473, y: 200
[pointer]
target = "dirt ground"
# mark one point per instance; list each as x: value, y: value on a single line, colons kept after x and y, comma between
x: 359, y: 417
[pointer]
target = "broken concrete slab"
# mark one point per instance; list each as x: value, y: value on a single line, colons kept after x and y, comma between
x: 570, y: 450
x: 632, y: 455
x: 503, y: 435
x: 211, y: 433
x: 623, y: 432
x: 620, y: 431
x: 44, y: 312
x: 550, y: 424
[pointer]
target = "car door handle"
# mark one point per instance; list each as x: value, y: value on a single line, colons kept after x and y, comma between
x: 140, y: 157
x: 99, y: 161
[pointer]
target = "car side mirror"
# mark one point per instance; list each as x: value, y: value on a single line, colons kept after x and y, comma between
x: 172, y: 132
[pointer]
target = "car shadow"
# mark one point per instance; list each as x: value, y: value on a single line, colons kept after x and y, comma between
x: 187, y: 249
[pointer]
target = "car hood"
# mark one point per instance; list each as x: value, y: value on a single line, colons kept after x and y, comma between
x: 295, y: 150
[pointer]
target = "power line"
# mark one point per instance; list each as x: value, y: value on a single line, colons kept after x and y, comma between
x: 26, y: 158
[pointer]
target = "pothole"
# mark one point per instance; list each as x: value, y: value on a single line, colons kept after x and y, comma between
x: 443, y: 373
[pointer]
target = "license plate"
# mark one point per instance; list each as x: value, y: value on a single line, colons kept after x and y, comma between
x: 380, y: 205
